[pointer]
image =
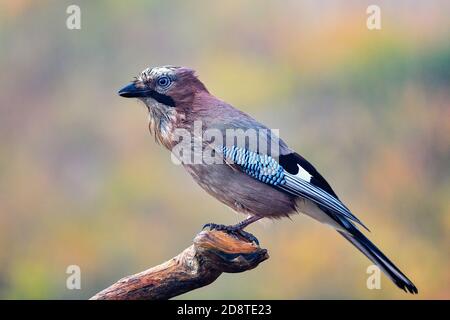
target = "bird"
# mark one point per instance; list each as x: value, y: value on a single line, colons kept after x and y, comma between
x: 249, y: 179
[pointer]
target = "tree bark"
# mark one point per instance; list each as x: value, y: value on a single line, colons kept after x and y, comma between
x: 212, y: 253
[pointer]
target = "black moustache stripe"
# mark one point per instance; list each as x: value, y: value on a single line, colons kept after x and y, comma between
x: 162, y: 98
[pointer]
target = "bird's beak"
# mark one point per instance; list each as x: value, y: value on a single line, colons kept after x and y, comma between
x: 132, y: 91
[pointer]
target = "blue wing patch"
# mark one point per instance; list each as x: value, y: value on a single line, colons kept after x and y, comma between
x: 261, y: 167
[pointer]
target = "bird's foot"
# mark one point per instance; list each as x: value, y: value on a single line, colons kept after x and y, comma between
x: 233, y: 230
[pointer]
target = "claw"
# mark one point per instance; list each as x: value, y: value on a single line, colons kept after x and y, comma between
x: 215, y: 226
x: 249, y: 236
x: 208, y: 225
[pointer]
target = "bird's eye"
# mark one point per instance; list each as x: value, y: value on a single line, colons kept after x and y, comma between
x: 164, y: 82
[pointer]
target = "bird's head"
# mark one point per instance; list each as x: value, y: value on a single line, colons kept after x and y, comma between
x: 164, y: 87
x: 169, y: 93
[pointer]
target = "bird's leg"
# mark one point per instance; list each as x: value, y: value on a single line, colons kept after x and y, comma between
x: 244, y: 223
x: 237, y: 229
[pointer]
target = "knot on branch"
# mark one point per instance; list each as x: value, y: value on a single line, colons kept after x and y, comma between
x: 225, y: 253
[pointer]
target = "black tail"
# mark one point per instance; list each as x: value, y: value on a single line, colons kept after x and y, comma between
x: 360, y: 241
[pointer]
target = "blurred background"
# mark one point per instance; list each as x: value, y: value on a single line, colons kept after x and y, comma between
x: 83, y: 183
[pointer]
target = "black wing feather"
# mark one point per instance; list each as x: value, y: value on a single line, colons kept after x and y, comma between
x: 289, y: 163
x: 317, y: 189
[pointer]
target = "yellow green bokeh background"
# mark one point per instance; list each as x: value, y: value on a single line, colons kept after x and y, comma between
x: 82, y: 181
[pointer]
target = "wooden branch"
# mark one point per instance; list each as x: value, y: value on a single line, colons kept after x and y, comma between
x: 212, y: 253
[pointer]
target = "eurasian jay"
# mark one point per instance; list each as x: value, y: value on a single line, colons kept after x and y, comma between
x: 251, y: 179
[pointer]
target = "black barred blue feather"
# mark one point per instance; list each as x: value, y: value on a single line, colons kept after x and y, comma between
x: 261, y: 167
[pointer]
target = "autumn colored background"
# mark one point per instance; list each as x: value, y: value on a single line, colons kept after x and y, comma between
x: 82, y: 181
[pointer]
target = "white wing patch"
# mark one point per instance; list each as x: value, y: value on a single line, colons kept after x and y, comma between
x: 303, y: 174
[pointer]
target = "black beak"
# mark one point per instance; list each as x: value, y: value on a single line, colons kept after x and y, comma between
x: 131, y: 91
